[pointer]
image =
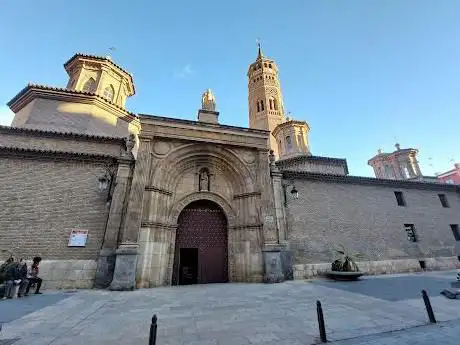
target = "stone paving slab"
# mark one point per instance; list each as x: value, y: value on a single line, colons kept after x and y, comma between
x: 223, y: 314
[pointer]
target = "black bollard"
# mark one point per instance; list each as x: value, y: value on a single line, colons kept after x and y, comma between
x: 153, y: 331
x: 428, y: 307
x: 322, y: 326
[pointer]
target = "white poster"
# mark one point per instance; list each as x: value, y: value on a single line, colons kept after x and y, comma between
x: 78, y: 238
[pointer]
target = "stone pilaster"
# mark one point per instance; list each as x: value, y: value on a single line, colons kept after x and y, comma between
x: 124, y: 277
x: 106, y: 259
x: 271, y: 249
x: 278, y: 191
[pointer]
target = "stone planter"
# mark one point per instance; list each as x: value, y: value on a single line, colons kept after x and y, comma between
x: 344, y: 276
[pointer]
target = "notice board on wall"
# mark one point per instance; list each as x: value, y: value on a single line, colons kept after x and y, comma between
x: 78, y: 238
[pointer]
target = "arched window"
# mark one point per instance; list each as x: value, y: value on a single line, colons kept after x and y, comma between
x: 288, y: 142
x: 109, y: 92
x: 275, y: 105
x: 265, y: 64
x: 90, y: 85
x: 258, y: 106
x: 270, y: 103
x: 262, y: 108
x: 270, y: 65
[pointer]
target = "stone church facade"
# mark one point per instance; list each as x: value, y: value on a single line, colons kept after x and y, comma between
x: 167, y: 201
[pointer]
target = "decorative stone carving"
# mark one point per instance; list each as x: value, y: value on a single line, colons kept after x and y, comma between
x: 130, y: 142
x: 249, y: 157
x: 208, y: 100
x: 204, y: 180
x: 161, y: 148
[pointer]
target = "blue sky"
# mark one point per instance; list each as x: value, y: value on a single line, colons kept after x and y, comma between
x: 362, y: 73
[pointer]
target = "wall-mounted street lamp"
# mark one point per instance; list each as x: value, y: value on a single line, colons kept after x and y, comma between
x: 294, y: 192
x: 105, y: 182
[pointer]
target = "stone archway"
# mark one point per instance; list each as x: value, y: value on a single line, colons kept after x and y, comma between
x: 201, y: 245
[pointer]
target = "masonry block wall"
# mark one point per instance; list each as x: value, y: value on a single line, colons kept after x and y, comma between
x: 49, y: 186
x: 366, y: 218
x: 43, y: 200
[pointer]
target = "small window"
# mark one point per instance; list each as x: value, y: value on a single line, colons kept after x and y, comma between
x: 90, y: 85
x: 270, y: 101
x: 262, y: 108
x: 109, y: 92
x: 275, y: 105
x: 265, y: 64
x: 410, y: 232
x: 269, y: 65
x: 400, y: 199
x: 443, y: 199
x: 288, y: 142
x: 258, y: 106
x: 422, y: 264
x: 454, y: 228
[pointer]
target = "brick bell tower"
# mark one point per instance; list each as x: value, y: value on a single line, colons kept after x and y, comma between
x: 266, y: 108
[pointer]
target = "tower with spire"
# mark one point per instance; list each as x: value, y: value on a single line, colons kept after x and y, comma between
x: 266, y: 108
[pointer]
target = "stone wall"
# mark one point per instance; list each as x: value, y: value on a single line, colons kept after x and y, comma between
x: 67, y: 274
x: 306, y: 271
x: 363, y: 216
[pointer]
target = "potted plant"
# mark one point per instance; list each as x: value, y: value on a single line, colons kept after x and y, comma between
x: 345, y: 268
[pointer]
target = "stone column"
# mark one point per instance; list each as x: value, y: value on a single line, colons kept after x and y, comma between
x: 271, y: 248
x: 106, y: 259
x: 124, y: 277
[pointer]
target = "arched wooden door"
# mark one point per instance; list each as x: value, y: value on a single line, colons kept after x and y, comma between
x: 200, y: 255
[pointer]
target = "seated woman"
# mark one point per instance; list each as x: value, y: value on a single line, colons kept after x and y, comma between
x: 33, y: 277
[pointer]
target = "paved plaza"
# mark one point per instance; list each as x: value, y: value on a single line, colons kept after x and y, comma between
x: 376, y: 310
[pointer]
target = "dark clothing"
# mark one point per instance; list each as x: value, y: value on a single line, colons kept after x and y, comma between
x: 12, y: 272
x: 32, y: 281
x: 22, y: 271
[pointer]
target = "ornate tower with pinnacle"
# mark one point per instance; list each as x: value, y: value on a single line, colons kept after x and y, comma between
x: 266, y: 108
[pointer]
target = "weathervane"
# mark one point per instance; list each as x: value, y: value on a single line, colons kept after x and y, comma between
x: 111, y: 49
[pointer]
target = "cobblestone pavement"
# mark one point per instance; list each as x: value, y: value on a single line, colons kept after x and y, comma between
x: 368, y: 312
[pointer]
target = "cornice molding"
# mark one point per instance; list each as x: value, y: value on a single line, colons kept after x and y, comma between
x: 36, y: 153
x: 63, y: 135
x: 33, y: 91
x: 158, y: 190
x: 370, y: 181
x: 246, y: 195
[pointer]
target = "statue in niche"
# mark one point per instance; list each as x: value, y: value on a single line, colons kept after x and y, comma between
x: 204, y: 181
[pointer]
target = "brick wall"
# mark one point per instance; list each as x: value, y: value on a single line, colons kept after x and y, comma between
x: 367, y: 219
x: 43, y: 199
x: 311, y: 164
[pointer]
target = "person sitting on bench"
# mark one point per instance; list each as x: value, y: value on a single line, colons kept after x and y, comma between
x: 33, y: 277
x: 12, y: 278
x: 22, y: 269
